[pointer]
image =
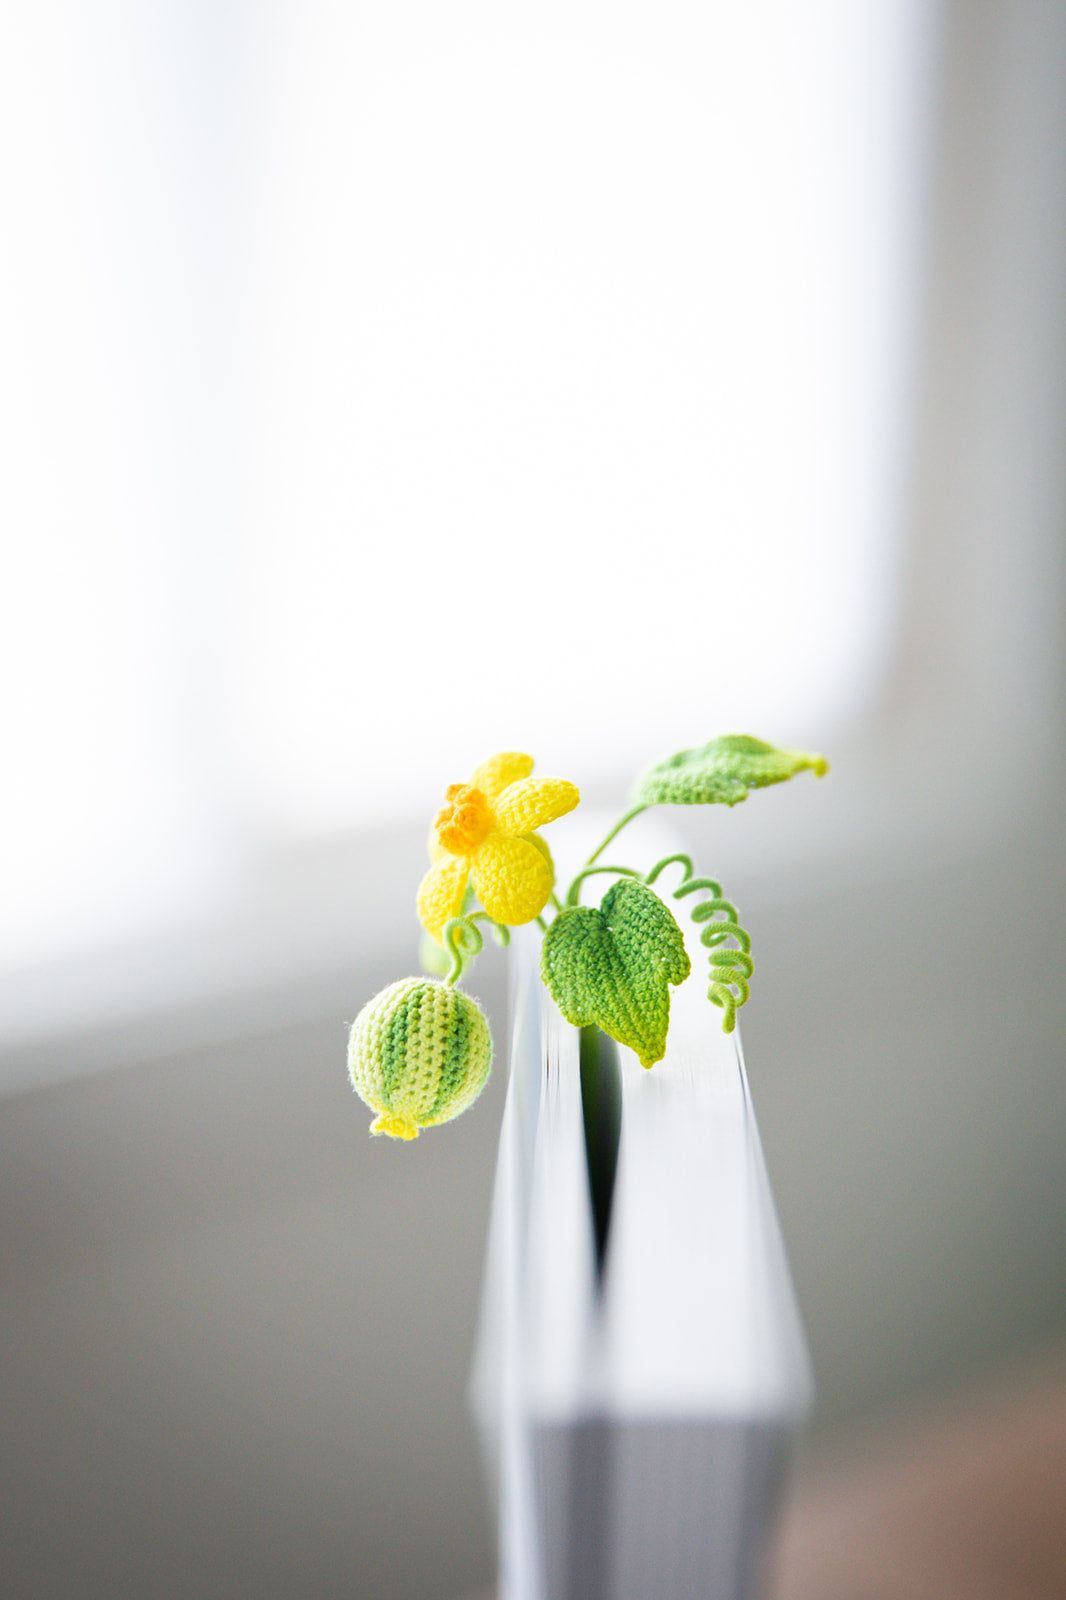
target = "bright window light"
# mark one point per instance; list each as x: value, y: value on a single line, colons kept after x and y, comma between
x: 106, y: 822
x: 578, y: 359
x: 386, y: 384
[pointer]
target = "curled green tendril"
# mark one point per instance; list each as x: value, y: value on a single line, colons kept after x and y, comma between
x: 463, y: 941
x: 573, y: 894
x: 730, y: 969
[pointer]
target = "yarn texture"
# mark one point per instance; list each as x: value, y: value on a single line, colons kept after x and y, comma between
x: 485, y: 834
x: 612, y: 967
x: 723, y: 772
x: 419, y: 1053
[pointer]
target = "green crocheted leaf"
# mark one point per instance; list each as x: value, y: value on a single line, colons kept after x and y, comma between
x: 722, y: 771
x: 612, y: 967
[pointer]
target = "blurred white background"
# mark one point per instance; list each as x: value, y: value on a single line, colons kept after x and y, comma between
x: 385, y: 385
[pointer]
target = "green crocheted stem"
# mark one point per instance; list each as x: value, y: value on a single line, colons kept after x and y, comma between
x: 463, y: 941
x: 619, y: 825
x: 573, y: 894
x: 669, y: 861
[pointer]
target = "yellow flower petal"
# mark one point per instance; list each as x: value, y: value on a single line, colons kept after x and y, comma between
x: 440, y: 893
x: 532, y: 802
x: 512, y: 879
x: 494, y: 775
x: 542, y: 845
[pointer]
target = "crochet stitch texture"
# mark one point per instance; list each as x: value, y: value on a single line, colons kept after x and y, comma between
x: 612, y: 967
x: 419, y: 1053
x: 485, y: 832
x: 723, y: 771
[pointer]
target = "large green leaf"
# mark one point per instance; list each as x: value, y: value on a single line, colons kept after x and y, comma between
x: 722, y: 771
x: 612, y: 966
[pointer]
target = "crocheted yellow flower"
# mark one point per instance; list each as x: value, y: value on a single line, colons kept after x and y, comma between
x: 485, y: 832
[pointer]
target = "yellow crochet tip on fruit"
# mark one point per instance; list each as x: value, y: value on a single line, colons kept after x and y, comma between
x: 485, y: 832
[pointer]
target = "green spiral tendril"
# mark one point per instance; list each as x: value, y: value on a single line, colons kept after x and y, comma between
x: 668, y: 861
x: 730, y: 968
x: 463, y: 941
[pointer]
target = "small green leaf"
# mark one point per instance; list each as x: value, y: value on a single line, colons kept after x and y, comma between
x: 612, y: 967
x: 722, y: 771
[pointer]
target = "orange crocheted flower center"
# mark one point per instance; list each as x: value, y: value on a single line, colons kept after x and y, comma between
x: 465, y: 822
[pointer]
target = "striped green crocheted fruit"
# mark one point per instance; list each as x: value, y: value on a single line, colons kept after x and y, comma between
x: 418, y: 1054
